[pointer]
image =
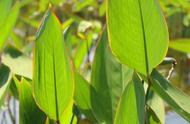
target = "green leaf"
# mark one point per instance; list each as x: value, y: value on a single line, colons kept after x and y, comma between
x: 109, y: 79
x: 79, y: 5
x: 5, y: 81
x: 66, y: 117
x: 152, y: 117
x: 14, y: 88
x: 82, y: 96
x: 137, y: 32
x: 29, y: 113
x: 182, y: 45
x: 4, y: 74
x: 53, y: 75
x: 8, y: 24
x: 131, y: 107
x: 17, y: 62
x: 157, y: 112
x: 174, y: 97
x: 82, y: 92
x: 5, y: 6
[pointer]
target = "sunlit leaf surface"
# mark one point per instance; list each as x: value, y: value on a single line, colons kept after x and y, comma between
x: 53, y: 76
x: 137, y: 33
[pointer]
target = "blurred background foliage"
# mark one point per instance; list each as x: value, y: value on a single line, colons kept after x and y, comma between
x: 82, y: 21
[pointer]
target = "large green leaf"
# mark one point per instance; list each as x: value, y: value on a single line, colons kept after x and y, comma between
x: 5, y: 77
x: 137, y: 32
x: 8, y: 24
x: 182, y: 45
x: 174, y: 97
x: 131, y: 107
x: 29, y: 113
x: 109, y: 79
x: 53, y: 76
x: 17, y: 62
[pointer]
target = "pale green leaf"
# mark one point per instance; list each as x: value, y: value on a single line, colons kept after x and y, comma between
x: 174, y: 97
x: 182, y: 45
x: 17, y: 62
x: 8, y: 24
x: 53, y: 75
x: 67, y: 116
x: 137, y: 32
x: 79, y: 5
x: 5, y: 6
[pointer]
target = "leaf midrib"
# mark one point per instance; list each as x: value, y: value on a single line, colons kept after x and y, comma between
x: 55, y: 87
x: 144, y: 39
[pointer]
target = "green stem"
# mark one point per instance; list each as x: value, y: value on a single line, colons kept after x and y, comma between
x: 146, y: 99
x: 72, y: 118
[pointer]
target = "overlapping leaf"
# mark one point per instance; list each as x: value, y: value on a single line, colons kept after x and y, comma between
x: 156, y: 111
x: 29, y: 113
x: 131, y: 107
x: 5, y: 77
x: 109, y: 79
x: 174, y: 97
x: 82, y: 96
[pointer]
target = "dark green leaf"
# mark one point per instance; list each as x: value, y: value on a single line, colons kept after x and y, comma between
x: 174, y: 97
x: 109, y: 79
x: 29, y: 113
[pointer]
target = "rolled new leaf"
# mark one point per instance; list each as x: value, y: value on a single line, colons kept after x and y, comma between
x: 137, y: 33
x: 53, y: 76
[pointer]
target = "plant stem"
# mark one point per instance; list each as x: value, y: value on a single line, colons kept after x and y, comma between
x: 146, y: 99
x: 72, y: 118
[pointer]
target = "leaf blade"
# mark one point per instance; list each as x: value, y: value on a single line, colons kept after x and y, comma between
x: 53, y: 76
x: 134, y: 31
x: 174, y: 97
x: 131, y: 107
x: 182, y: 45
x: 28, y: 110
x: 109, y: 79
